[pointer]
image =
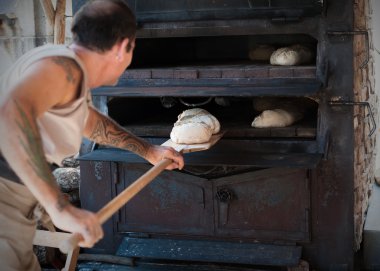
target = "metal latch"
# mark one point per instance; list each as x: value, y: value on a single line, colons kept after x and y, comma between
x: 366, y: 104
x: 224, y: 196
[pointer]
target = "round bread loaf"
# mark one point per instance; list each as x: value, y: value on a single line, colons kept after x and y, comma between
x: 293, y: 55
x: 193, y: 126
x: 191, y: 133
x: 285, y: 57
x: 200, y: 115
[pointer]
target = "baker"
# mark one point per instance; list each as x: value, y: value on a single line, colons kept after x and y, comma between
x: 45, y: 110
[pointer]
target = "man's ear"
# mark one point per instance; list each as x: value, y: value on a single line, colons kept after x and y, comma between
x: 122, y: 48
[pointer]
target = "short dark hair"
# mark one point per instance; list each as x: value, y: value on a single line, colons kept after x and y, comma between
x: 100, y: 24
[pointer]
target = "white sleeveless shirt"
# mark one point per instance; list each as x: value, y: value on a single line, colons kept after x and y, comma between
x: 61, y: 128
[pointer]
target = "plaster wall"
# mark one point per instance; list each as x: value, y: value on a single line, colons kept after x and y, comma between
x: 24, y: 26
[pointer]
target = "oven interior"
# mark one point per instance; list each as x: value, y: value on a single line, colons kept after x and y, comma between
x: 155, y: 116
x: 209, y: 50
x: 206, y: 62
x: 170, y: 75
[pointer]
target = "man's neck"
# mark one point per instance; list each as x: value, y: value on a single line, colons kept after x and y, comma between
x: 94, y: 64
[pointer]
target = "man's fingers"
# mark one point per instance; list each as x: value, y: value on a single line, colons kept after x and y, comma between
x: 177, y: 163
x: 91, y: 234
x: 172, y: 154
x: 172, y: 166
x: 89, y: 240
x: 178, y: 159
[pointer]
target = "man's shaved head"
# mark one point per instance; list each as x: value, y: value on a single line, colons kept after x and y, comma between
x: 100, y: 24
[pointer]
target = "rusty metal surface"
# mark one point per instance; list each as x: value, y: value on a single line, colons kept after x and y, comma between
x: 265, y: 205
x: 141, y: 265
x: 173, y: 203
x: 219, y: 158
x: 148, y: 11
x: 168, y: 11
x: 211, y: 251
x: 271, y: 205
x: 96, y: 190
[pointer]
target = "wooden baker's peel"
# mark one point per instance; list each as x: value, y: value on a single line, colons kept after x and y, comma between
x: 116, y: 203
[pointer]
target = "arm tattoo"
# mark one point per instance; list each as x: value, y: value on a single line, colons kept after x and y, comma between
x: 31, y: 143
x: 69, y: 65
x: 107, y: 132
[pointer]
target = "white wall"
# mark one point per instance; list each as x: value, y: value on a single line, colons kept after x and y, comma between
x: 29, y: 28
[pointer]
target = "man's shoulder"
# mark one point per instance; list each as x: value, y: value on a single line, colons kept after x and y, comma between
x: 60, y: 55
x: 53, y: 50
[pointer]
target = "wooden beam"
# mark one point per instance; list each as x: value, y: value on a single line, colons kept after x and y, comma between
x: 54, y: 239
x: 71, y: 260
x: 59, y: 22
x: 50, y: 239
x: 47, y: 5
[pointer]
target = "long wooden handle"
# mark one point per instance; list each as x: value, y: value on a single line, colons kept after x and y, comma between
x: 116, y: 203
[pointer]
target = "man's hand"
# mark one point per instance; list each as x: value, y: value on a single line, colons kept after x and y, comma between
x: 157, y: 153
x: 80, y: 221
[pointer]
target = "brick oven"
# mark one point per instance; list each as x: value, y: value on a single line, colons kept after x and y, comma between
x: 261, y: 197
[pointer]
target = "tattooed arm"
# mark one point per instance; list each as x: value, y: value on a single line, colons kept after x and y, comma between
x: 48, y: 83
x: 105, y: 131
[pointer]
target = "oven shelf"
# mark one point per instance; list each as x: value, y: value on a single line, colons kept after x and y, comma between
x: 218, y: 69
x: 242, y: 80
x: 277, y: 88
x: 232, y: 152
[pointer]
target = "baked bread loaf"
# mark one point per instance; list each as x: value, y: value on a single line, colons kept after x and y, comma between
x: 194, y: 126
x: 276, y: 118
x: 281, y: 111
x: 293, y: 55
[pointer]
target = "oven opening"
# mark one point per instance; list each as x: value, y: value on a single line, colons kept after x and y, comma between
x: 211, y: 51
x: 155, y: 116
x: 224, y: 62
